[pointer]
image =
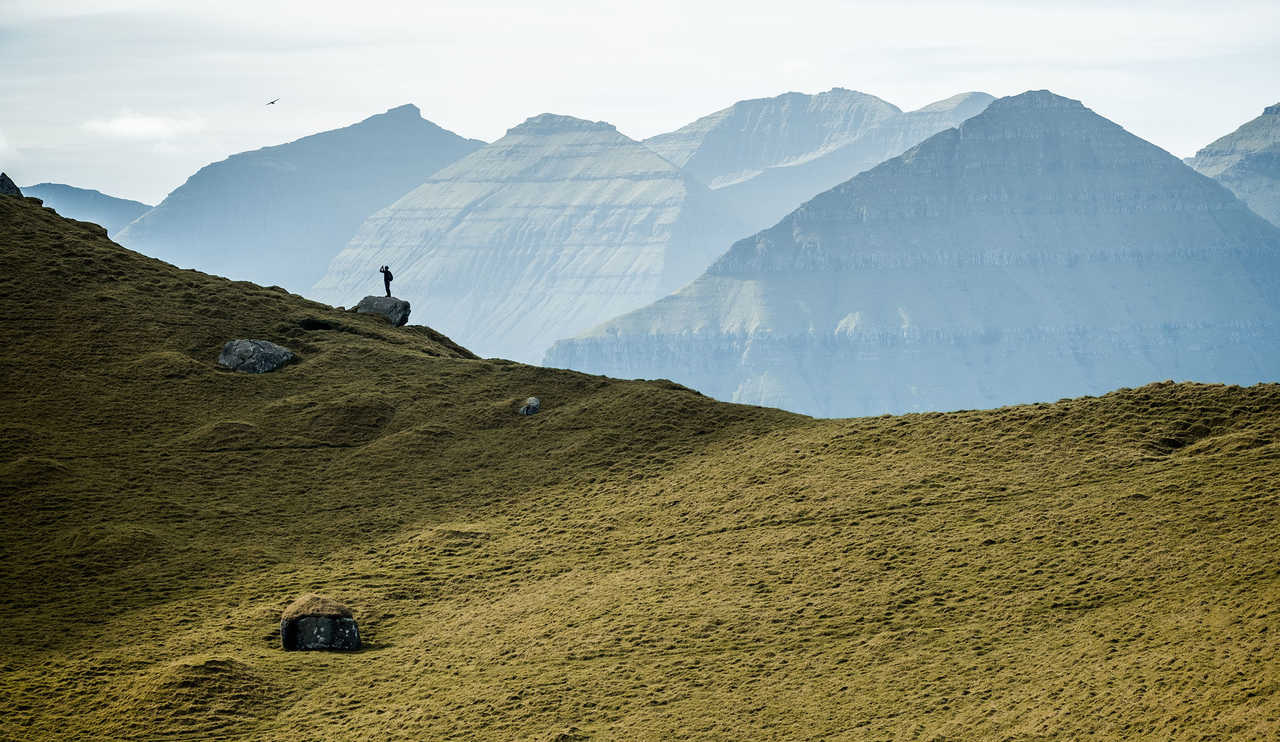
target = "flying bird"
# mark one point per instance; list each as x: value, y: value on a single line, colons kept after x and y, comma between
x: 272, y: 102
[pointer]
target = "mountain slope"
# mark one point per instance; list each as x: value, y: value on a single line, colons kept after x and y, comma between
x: 557, y: 226
x: 737, y: 143
x: 765, y: 157
x: 1248, y: 162
x: 276, y: 215
x: 1037, y: 251
x: 88, y: 205
x: 634, y: 562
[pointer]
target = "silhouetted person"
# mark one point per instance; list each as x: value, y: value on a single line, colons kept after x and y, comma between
x: 386, y: 278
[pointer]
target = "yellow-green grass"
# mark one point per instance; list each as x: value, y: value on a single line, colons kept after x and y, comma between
x: 634, y: 562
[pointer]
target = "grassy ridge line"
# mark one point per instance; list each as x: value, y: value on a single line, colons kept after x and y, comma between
x: 636, y: 562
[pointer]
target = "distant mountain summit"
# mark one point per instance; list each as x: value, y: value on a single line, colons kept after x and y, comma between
x: 1036, y: 251
x: 88, y: 205
x: 765, y: 157
x: 739, y: 142
x: 277, y: 215
x: 561, y: 224
x: 1248, y: 162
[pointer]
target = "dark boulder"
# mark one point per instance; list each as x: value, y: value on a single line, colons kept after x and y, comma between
x: 254, y: 356
x: 530, y: 406
x: 314, y: 622
x: 395, y: 310
x: 8, y: 187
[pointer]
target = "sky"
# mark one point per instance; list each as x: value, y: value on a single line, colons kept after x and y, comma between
x: 131, y: 97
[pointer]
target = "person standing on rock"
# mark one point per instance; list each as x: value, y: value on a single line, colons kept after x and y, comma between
x: 386, y: 277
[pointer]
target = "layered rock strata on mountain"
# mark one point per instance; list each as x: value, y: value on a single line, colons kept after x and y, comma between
x: 88, y: 205
x: 1248, y: 162
x: 277, y: 215
x: 1038, y: 251
x: 559, y: 225
x: 765, y: 157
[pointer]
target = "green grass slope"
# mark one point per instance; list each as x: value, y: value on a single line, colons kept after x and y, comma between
x: 634, y: 562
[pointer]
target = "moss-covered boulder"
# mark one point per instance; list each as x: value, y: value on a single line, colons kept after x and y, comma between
x: 317, y: 622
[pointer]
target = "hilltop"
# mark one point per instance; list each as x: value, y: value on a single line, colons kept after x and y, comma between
x: 636, y: 561
x: 88, y: 205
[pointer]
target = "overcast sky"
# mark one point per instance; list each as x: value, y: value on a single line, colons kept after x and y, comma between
x: 132, y: 96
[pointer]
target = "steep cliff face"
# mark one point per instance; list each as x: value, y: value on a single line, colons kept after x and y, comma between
x: 559, y: 225
x: 762, y: 158
x: 1248, y: 162
x: 88, y: 205
x: 1035, y: 252
x: 277, y: 215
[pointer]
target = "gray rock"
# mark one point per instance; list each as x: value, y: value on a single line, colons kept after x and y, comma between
x: 254, y: 356
x: 395, y: 310
x: 320, y: 633
x: 531, y: 406
x: 8, y: 187
x: 316, y: 622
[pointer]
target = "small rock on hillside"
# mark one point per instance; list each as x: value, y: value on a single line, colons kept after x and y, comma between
x: 317, y: 622
x: 8, y: 187
x: 254, y: 356
x: 395, y: 310
x: 531, y: 406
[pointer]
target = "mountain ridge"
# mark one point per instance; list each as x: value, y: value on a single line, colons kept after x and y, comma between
x: 277, y: 213
x: 1036, y: 236
x: 560, y: 224
x: 1247, y: 161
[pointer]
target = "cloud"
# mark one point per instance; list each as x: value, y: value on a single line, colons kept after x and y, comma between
x: 140, y: 127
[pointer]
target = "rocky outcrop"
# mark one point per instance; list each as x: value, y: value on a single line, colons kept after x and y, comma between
x: 7, y: 187
x: 395, y: 310
x: 530, y: 406
x: 254, y: 356
x: 559, y: 225
x: 1036, y: 252
x: 1248, y: 162
x: 315, y: 622
x: 763, y: 158
x: 277, y: 215
x: 83, y: 204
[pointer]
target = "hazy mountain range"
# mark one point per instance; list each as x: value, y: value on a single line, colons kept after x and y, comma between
x: 557, y: 226
x: 277, y: 215
x: 1036, y: 251
x: 563, y: 223
x: 1248, y: 162
x: 767, y: 156
x: 88, y: 205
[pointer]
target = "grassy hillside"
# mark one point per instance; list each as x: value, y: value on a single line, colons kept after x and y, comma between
x: 635, y: 562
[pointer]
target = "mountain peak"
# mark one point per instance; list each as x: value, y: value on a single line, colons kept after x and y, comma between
x: 552, y: 123
x: 1273, y: 110
x: 956, y: 101
x: 407, y: 109
x: 1036, y: 99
